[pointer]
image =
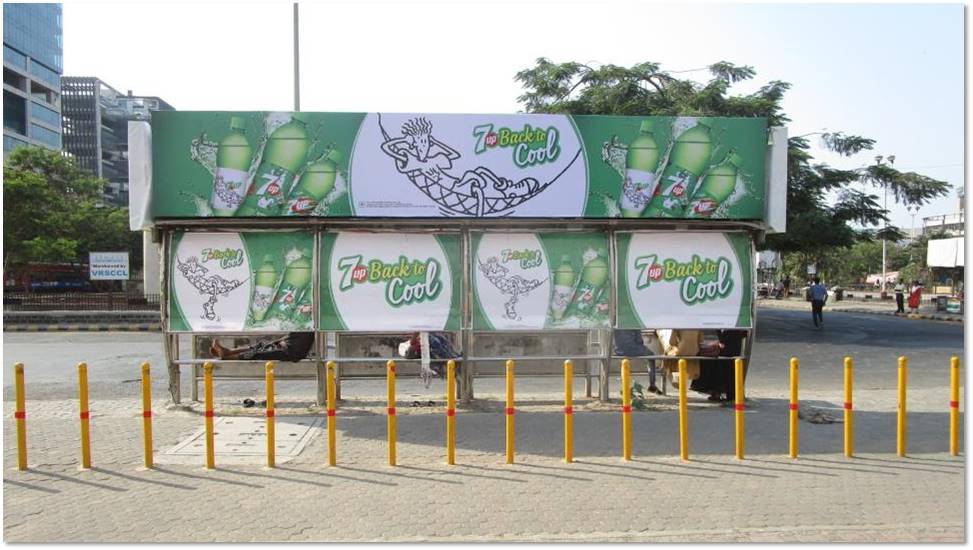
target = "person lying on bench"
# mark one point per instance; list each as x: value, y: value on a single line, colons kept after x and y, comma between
x: 293, y: 347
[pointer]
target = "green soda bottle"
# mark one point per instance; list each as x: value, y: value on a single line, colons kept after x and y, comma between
x: 232, y: 162
x: 315, y: 184
x: 564, y: 278
x: 297, y: 275
x: 594, y: 275
x: 640, y: 166
x: 716, y: 187
x: 688, y: 159
x: 283, y: 156
x: 264, y: 286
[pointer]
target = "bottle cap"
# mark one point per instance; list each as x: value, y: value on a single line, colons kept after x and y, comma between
x: 302, y: 117
x: 334, y: 156
x: 646, y: 126
x: 565, y: 259
x: 268, y: 258
x: 238, y: 123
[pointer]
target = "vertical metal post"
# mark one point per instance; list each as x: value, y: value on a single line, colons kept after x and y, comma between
x: 510, y: 411
x: 568, y: 411
x: 270, y: 412
x: 297, y: 61
x: 451, y: 412
x: 208, y: 413
x: 792, y: 446
x: 332, y: 447
x: 147, y: 415
x: 849, y: 414
x: 604, y: 365
x: 20, y: 414
x: 390, y: 387
x: 626, y: 412
x: 466, y: 324
x: 85, y: 415
x: 954, y: 406
x: 683, y: 423
x: 900, y: 431
x: 738, y: 405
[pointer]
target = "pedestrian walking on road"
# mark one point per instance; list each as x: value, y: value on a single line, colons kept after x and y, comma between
x: 819, y: 296
x: 787, y: 286
x: 900, y: 297
x: 915, y: 296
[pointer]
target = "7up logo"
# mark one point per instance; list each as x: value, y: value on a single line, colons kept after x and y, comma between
x: 700, y: 279
x: 406, y: 281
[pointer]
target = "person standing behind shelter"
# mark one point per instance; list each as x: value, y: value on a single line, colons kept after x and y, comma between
x: 900, y: 297
x: 819, y: 296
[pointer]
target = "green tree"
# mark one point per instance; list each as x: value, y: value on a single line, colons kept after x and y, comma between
x: 53, y: 211
x: 814, y: 226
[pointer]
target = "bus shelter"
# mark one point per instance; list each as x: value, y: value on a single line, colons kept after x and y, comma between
x: 535, y: 238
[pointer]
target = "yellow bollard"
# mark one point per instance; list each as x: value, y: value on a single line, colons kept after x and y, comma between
x: 954, y: 406
x: 146, y: 415
x: 451, y: 412
x: 900, y: 431
x: 683, y: 423
x: 85, y: 415
x: 390, y: 384
x: 208, y: 403
x: 332, y: 447
x: 271, y: 422
x: 849, y: 414
x: 793, y: 409
x: 510, y: 411
x: 20, y: 414
x: 626, y: 412
x: 568, y: 411
x: 738, y: 405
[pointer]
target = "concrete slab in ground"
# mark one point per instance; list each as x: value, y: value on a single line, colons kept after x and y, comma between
x: 243, y: 440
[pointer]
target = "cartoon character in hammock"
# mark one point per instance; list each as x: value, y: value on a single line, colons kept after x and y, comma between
x: 427, y: 162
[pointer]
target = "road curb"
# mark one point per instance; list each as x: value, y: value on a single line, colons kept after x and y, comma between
x: 915, y: 316
x: 115, y: 327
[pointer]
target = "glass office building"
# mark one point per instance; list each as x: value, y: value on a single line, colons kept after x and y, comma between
x: 32, y: 67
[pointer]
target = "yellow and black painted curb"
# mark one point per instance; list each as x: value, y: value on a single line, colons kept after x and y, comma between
x: 111, y: 327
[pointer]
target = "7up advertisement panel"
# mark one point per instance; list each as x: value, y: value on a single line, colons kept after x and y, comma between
x: 390, y: 281
x: 412, y: 165
x: 540, y: 280
x: 683, y: 280
x: 233, y: 282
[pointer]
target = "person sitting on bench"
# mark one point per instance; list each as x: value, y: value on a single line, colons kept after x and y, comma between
x: 292, y: 347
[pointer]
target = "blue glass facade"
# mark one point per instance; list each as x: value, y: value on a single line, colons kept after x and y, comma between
x: 32, y: 63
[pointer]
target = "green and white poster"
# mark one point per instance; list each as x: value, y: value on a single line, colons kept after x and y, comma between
x: 540, y: 280
x: 683, y: 280
x: 390, y: 281
x: 409, y: 165
x: 233, y: 282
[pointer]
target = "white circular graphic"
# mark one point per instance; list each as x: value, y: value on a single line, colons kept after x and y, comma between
x: 211, y: 281
x: 406, y: 283
x: 512, y: 278
x: 468, y: 166
x: 702, y: 288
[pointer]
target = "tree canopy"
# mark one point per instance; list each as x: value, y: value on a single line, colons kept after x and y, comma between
x: 53, y: 212
x: 814, y: 225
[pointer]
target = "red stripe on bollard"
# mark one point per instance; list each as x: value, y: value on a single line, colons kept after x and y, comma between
x: 391, y: 368
x: 330, y: 412
x: 954, y: 404
x: 20, y: 415
x: 85, y: 415
x: 270, y: 413
x: 626, y: 409
x: 792, y: 406
x: 208, y: 414
x: 509, y: 410
x: 391, y: 411
x: 848, y: 406
x: 146, y: 414
x: 450, y: 412
x: 568, y: 410
x: 738, y: 406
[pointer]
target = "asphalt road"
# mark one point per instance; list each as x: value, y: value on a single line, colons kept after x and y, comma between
x: 874, y: 342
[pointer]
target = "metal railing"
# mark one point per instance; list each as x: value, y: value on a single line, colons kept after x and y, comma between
x: 80, y: 301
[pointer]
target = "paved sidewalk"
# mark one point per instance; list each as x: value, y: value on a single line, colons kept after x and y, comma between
x: 874, y: 307
x: 821, y: 497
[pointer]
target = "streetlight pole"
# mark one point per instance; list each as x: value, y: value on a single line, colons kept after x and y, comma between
x: 885, y: 206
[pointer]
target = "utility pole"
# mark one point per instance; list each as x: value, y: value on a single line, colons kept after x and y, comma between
x: 885, y: 206
x: 297, y: 62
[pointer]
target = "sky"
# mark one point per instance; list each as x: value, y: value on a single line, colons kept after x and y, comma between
x: 890, y: 72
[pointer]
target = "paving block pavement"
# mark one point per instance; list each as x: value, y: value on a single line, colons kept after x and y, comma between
x: 820, y: 497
